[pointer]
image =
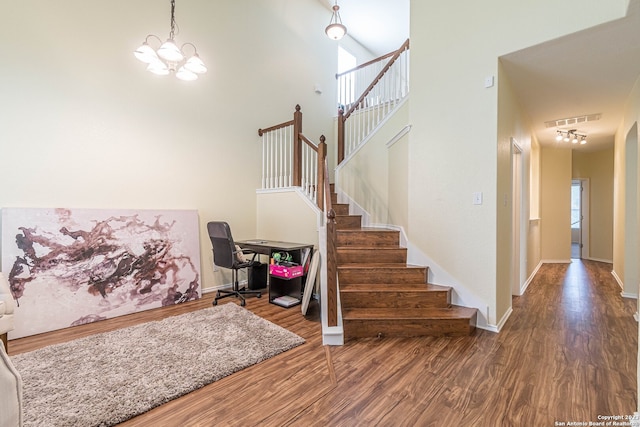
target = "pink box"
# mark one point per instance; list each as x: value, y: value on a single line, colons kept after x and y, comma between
x: 286, y: 272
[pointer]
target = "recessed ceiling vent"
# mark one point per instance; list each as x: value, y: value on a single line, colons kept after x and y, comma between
x: 571, y: 121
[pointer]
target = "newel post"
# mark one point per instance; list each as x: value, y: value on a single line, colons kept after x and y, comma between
x: 297, y: 147
x: 322, y: 157
x: 340, y: 135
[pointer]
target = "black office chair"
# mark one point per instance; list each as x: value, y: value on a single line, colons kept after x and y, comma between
x: 226, y: 255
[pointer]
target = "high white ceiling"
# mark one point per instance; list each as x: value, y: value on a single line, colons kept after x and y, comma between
x: 590, y: 72
x: 379, y: 25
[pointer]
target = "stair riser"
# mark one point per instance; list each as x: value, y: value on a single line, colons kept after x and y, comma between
x: 382, y: 275
x: 408, y: 328
x: 334, y: 198
x: 368, y: 238
x: 341, y: 209
x: 408, y: 299
x: 348, y: 222
x: 372, y: 256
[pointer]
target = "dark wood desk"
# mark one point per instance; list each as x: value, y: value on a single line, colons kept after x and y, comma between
x: 280, y: 286
x: 267, y: 247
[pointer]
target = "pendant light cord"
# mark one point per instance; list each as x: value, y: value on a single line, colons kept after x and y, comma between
x: 172, y: 33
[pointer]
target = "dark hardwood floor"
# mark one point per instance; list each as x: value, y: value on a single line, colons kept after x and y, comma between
x: 567, y: 354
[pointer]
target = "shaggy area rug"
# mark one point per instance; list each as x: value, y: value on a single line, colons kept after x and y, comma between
x: 108, y: 378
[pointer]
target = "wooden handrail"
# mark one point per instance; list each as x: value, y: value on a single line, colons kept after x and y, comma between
x: 332, y: 257
x: 366, y: 64
x: 382, y: 72
x: 275, y: 127
x: 310, y: 143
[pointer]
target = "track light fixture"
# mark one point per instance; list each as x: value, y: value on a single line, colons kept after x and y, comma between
x: 169, y: 58
x: 335, y: 30
x: 571, y: 136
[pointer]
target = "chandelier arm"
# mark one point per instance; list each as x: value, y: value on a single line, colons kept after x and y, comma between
x: 146, y: 39
x: 195, y: 51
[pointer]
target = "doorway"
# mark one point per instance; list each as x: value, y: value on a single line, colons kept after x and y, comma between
x: 579, y: 218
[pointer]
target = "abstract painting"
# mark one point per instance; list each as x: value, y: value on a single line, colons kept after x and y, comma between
x: 69, y: 267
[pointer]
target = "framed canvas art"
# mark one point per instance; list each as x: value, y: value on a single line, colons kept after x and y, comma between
x: 68, y: 267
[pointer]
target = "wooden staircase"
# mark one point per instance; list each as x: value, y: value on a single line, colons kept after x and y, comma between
x: 383, y: 296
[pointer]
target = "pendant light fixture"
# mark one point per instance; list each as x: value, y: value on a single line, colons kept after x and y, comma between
x: 169, y: 58
x: 335, y: 30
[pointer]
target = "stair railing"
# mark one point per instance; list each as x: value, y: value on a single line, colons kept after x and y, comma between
x: 382, y: 85
x: 331, y: 255
x: 290, y: 159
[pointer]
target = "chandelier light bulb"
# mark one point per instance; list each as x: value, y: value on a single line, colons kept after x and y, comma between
x: 145, y: 53
x: 170, y: 51
x: 195, y: 65
x: 186, y: 75
x: 559, y: 136
x: 158, y: 68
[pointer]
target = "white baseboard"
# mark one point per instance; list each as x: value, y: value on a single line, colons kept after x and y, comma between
x: 332, y: 335
x: 526, y: 284
x: 224, y: 286
x: 556, y: 261
x: 504, y: 319
x: 497, y: 328
x: 608, y: 261
x: 617, y: 278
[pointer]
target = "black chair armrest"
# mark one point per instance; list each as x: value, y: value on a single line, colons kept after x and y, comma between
x: 245, y: 252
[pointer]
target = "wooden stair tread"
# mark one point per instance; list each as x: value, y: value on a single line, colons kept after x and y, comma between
x: 391, y: 287
x: 399, y: 314
x: 372, y: 229
x: 380, y: 265
x: 366, y: 250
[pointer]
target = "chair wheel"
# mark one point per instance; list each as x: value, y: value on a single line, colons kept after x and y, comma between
x: 259, y: 295
x: 215, y: 302
x: 243, y: 303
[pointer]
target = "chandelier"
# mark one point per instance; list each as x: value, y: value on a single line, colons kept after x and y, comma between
x: 169, y: 58
x: 571, y: 135
x: 335, y: 30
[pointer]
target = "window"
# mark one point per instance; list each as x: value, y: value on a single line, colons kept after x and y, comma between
x: 576, y: 193
x: 346, y: 83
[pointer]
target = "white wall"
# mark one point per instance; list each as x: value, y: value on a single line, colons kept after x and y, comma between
x: 288, y: 216
x: 454, y: 144
x: 625, y: 266
x: 365, y: 175
x: 83, y: 125
x: 555, y: 204
x: 597, y: 166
